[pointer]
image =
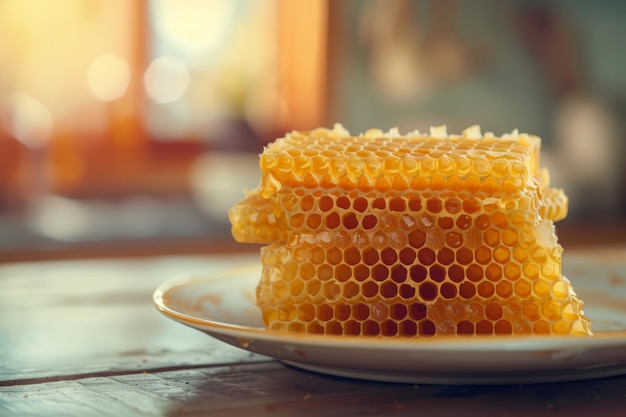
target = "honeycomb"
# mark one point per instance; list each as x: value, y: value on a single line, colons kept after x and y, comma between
x: 412, y: 235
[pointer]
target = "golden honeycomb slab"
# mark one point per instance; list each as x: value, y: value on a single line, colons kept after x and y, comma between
x: 415, y: 235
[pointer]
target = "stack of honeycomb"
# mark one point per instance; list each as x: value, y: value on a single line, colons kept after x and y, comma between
x: 408, y: 236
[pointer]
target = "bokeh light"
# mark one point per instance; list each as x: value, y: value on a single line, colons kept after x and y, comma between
x: 30, y: 121
x: 108, y: 77
x: 166, y: 79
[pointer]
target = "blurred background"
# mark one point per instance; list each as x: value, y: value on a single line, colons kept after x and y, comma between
x: 132, y: 126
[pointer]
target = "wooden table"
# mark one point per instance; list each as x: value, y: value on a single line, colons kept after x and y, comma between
x: 81, y: 338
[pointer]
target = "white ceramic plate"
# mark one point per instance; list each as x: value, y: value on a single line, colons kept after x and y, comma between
x: 224, y: 308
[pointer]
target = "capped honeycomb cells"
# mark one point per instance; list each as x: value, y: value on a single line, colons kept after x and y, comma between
x: 383, y: 163
x: 449, y: 264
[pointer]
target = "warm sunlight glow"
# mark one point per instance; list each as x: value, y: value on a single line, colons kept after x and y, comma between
x: 194, y: 24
